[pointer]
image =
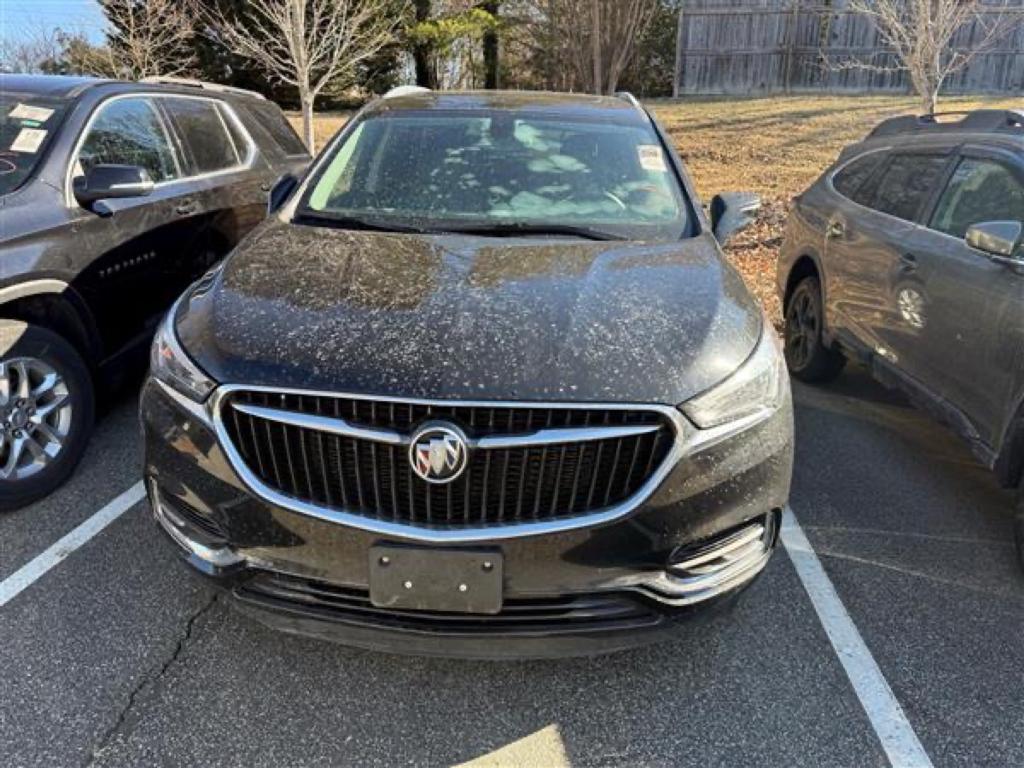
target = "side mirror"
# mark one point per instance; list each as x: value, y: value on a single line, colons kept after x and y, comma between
x: 731, y: 212
x: 282, y: 189
x: 998, y: 239
x: 106, y: 182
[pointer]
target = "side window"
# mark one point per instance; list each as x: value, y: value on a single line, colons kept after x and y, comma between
x: 204, y: 131
x: 128, y: 132
x: 849, y: 180
x: 906, y: 183
x: 980, y: 190
x: 276, y: 124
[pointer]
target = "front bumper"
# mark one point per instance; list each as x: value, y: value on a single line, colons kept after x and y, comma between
x: 701, y: 537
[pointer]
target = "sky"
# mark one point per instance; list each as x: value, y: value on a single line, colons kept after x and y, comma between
x: 19, y: 18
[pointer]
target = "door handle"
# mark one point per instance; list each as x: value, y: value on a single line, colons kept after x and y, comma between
x: 909, y: 262
x: 186, y: 207
x: 836, y: 228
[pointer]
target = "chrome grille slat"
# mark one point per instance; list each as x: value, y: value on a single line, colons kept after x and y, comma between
x: 350, y: 455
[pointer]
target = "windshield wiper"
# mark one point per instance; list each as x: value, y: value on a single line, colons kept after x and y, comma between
x: 360, y: 223
x: 515, y: 228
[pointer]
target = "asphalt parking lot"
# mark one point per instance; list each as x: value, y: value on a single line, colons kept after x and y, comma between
x: 116, y: 656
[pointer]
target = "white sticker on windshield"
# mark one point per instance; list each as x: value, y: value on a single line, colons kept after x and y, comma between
x: 28, y: 112
x: 652, y: 158
x: 28, y: 140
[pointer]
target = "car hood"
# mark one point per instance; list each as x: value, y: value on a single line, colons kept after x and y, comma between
x: 467, y: 317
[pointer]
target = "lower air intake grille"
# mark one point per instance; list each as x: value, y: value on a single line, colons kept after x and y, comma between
x: 520, y: 615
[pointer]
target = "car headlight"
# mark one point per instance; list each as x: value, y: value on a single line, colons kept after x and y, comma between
x: 758, y: 386
x: 169, y: 364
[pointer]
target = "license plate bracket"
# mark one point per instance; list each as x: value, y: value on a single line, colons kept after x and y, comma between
x: 442, y: 580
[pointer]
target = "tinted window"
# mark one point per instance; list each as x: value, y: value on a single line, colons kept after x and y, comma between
x: 906, y: 183
x: 277, y: 125
x: 202, y: 128
x: 980, y: 190
x: 445, y: 170
x: 851, y: 177
x: 128, y: 132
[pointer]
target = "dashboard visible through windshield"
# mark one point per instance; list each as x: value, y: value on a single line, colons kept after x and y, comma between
x: 501, y: 172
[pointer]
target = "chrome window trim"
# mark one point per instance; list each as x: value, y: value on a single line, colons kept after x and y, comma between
x: 682, y: 445
x: 69, y: 198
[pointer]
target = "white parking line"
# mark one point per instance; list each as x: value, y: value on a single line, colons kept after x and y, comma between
x: 898, y: 739
x: 38, y: 566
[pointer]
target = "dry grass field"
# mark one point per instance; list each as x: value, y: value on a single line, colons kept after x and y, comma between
x: 773, y: 146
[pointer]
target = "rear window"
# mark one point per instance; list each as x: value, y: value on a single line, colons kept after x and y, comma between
x: 850, y: 179
x: 276, y: 124
x: 204, y: 129
x: 906, y: 183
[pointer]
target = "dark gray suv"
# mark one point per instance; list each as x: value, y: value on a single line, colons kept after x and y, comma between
x: 114, y: 196
x: 907, y: 254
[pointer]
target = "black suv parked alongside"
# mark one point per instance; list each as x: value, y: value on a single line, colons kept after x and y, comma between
x: 484, y: 385
x: 908, y: 254
x: 114, y: 197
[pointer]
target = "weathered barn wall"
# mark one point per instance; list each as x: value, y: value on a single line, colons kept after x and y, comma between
x: 730, y: 46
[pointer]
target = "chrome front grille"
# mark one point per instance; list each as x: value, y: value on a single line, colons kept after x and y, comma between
x: 527, y: 463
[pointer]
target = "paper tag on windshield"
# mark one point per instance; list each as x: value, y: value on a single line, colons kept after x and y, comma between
x: 28, y: 112
x: 651, y: 158
x: 28, y: 140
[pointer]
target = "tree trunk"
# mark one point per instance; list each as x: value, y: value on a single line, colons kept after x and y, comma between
x: 595, y: 45
x: 308, y: 136
x: 490, y: 46
x: 421, y: 53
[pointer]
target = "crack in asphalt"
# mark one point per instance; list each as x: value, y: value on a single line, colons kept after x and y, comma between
x: 148, y: 679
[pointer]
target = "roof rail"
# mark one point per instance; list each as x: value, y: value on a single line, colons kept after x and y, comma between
x: 976, y: 121
x: 627, y: 96
x: 405, y: 90
x: 203, y: 84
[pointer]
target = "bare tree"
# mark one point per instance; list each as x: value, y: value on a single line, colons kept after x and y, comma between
x: 32, y: 49
x: 308, y: 44
x: 921, y: 34
x: 147, y: 37
x: 597, y: 38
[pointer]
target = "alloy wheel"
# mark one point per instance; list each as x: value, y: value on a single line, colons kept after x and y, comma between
x: 35, y: 417
x: 802, y: 327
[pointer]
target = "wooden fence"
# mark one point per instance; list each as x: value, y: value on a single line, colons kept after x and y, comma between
x: 743, y: 46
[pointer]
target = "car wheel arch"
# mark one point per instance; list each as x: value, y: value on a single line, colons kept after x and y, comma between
x: 804, y: 267
x: 61, y: 309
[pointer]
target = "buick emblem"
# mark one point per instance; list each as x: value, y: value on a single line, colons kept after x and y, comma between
x: 438, y: 452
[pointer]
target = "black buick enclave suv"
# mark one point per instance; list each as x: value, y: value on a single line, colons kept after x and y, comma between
x: 481, y: 385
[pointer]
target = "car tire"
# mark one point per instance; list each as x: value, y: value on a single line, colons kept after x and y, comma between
x: 807, y: 356
x: 48, y: 430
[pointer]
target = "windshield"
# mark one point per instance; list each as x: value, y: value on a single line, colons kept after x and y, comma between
x: 28, y: 123
x: 497, y: 173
